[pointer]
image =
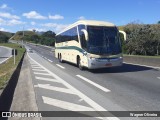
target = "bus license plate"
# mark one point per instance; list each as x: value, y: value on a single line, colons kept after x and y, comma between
x: 108, y: 64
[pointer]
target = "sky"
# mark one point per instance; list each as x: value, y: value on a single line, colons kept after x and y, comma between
x: 55, y: 15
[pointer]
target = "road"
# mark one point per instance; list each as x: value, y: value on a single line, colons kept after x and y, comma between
x: 62, y: 86
x: 5, y: 53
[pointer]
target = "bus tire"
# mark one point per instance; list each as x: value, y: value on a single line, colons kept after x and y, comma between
x: 79, y: 63
x: 60, y: 58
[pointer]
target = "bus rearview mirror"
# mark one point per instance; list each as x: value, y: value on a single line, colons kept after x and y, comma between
x: 85, y: 34
x: 124, y: 34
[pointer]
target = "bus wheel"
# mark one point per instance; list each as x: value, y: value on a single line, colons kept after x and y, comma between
x: 60, y: 58
x: 79, y: 64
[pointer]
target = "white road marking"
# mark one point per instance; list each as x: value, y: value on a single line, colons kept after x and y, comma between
x: 66, y: 105
x: 36, y: 67
x: 63, y: 90
x: 47, y: 79
x: 80, y: 100
x: 37, y: 73
x: 38, y: 70
x: 158, y: 77
x: 50, y: 60
x: 5, y: 60
x: 93, y: 83
x: 33, y: 63
x: 36, y: 86
x: 142, y: 65
x: 60, y: 66
x: 7, y: 55
x: 88, y: 100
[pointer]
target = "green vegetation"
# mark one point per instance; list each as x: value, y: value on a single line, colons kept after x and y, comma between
x: 8, y: 68
x: 19, y: 35
x: 46, y: 38
x: 4, y: 36
x: 142, y: 39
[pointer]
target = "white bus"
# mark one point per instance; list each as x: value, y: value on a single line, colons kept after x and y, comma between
x: 91, y: 44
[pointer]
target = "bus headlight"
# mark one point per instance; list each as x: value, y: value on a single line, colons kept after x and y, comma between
x: 120, y: 57
x: 91, y: 57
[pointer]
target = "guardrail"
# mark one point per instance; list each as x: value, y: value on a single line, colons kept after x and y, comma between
x: 149, y: 61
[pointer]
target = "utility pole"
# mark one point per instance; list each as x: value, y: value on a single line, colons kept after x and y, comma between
x: 14, y: 56
x: 23, y: 37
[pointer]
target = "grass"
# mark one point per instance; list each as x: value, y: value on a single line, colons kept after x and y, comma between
x: 7, y: 68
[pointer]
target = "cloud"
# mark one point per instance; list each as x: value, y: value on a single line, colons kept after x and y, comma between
x: 4, y: 6
x: 56, y: 17
x: 11, y: 22
x: 38, y: 29
x: 2, y: 22
x: 54, y: 26
x: 3, y: 29
x: 49, y: 25
x: 33, y: 23
x: 14, y: 22
x: 60, y: 27
x: 81, y: 18
x: 8, y: 15
x: 34, y: 15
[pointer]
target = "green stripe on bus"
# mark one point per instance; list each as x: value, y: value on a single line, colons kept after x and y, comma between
x: 71, y: 47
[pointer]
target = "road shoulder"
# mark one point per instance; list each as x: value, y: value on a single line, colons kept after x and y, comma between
x: 7, y: 55
x: 24, y: 96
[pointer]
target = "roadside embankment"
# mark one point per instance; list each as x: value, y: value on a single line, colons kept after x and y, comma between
x: 8, y: 67
x: 142, y: 60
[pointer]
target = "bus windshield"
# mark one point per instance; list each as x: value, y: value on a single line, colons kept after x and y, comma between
x: 103, y: 40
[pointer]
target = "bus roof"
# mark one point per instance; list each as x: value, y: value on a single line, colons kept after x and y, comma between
x: 88, y: 22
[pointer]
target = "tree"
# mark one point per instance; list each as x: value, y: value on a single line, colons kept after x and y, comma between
x: 35, y: 38
x: 132, y: 43
x: 49, y: 34
x: 139, y: 38
x: 3, y: 38
x: 156, y: 37
x: 48, y: 38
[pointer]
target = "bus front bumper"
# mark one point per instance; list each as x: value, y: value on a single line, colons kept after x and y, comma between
x: 95, y: 63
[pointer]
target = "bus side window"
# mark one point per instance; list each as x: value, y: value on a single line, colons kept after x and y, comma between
x: 82, y: 37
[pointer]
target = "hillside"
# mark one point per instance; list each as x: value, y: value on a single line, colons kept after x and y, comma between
x: 8, y: 34
x: 45, y: 38
x: 4, y: 36
x: 19, y: 35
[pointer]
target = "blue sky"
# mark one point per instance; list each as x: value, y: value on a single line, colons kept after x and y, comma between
x: 54, y: 15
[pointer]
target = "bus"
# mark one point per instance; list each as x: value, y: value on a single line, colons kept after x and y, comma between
x: 91, y: 44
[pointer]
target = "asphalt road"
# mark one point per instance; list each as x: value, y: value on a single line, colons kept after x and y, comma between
x: 5, y: 53
x: 61, y: 85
